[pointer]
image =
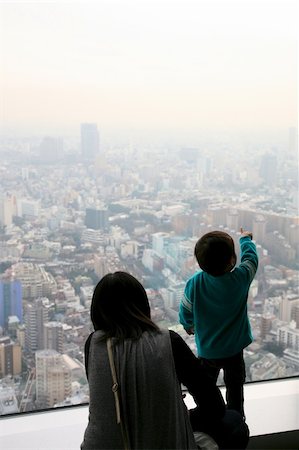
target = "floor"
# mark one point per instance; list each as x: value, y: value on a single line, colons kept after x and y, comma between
x: 277, y: 441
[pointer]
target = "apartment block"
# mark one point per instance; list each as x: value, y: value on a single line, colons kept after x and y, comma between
x: 53, y: 378
x: 10, y: 357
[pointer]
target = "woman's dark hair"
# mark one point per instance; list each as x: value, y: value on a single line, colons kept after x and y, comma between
x: 215, y: 253
x: 120, y: 307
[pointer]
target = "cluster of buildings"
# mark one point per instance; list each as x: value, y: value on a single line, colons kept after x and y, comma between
x: 67, y: 218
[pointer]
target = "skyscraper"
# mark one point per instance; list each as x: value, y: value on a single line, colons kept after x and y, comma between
x: 90, y: 141
x: 259, y: 228
x: 53, y: 336
x: 97, y: 218
x: 268, y: 168
x: 10, y: 301
x: 6, y: 210
x: 10, y: 357
x: 37, y: 314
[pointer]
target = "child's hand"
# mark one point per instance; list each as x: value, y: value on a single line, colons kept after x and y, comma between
x: 190, y: 330
x: 245, y: 233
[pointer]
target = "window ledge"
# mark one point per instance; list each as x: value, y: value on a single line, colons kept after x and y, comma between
x: 271, y: 407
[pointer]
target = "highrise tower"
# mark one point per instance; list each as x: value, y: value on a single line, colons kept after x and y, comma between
x: 6, y: 210
x: 10, y: 301
x: 268, y: 168
x: 97, y: 218
x: 37, y: 314
x: 53, y: 336
x: 90, y: 141
x: 10, y: 357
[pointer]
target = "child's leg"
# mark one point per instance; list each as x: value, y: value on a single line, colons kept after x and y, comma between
x: 211, y: 367
x: 234, y: 378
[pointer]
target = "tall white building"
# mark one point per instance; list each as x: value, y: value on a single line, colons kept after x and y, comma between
x: 90, y: 140
x: 159, y: 242
x: 286, y: 306
x: 6, y: 210
x: 53, y: 378
x: 288, y: 335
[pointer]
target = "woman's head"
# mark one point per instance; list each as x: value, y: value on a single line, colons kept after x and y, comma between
x: 215, y: 253
x: 120, y: 306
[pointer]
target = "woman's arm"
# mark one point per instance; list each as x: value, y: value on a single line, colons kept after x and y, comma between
x: 190, y: 373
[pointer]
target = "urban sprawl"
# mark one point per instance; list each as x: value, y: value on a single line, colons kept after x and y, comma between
x: 72, y: 212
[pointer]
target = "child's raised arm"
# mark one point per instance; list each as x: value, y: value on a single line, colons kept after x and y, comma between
x: 245, y: 233
x: 249, y: 256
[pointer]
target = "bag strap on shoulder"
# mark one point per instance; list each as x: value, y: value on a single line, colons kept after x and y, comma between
x: 115, y: 390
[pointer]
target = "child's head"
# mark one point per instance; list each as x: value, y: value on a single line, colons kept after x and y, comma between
x: 215, y: 253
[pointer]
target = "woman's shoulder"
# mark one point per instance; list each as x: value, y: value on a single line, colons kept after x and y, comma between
x: 98, y: 337
x: 166, y: 334
x: 94, y: 337
x: 160, y: 339
x: 175, y: 339
x: 174, y: 336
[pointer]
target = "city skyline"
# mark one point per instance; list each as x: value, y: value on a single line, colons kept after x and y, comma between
x: 67, y: 222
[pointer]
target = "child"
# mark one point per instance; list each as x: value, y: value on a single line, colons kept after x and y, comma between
x: 214, y: 308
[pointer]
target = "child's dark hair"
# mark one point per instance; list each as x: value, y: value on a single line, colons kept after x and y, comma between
x: 120, y: 307
x: 215, y: 253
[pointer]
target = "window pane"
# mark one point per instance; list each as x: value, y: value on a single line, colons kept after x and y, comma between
x: 128, y: 130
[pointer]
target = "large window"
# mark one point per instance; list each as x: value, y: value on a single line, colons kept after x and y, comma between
x: 129, y: 129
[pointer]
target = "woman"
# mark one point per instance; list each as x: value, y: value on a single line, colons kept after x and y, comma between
x: 149, y: 365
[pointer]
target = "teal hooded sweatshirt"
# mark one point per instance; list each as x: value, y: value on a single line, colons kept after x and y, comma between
x: 216, y: 306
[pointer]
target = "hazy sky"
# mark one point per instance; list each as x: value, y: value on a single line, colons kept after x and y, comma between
x: 157, y: 64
